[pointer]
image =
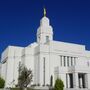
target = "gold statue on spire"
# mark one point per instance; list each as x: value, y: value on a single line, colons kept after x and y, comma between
x: 44, y: 12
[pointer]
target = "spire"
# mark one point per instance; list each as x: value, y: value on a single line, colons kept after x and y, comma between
x: 44, y: 12
x: 45, y: 30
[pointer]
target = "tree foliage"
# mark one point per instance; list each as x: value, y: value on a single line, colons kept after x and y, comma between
x: 2, y: 83
x: 58, y: 84
x: 25, y: 76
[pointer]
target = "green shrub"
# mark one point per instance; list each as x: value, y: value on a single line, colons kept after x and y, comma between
x: 2, y: 83
x: 15, y: 89
x: 58, y: 84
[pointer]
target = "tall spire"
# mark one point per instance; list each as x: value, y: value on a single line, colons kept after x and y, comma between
x: 44, y: 12
x: 45, y: 30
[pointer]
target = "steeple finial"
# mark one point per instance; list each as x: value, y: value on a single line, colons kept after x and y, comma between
x: 44, y: 12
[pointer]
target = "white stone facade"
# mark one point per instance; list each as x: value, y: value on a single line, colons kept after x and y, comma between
x: 48, y: 58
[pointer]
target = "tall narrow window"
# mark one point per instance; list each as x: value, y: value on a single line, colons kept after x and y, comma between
x: 39, y: 38
x: 75, y: 60
x: 61, y: 60
x: 47, y: 38
x: 67, y: 60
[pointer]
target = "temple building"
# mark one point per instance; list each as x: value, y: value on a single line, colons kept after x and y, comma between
x: 48, y: 59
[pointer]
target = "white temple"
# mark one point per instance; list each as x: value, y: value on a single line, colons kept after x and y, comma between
x: 48, y: 58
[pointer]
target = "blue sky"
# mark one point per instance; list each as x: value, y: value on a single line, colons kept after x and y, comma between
x: 19, y: 20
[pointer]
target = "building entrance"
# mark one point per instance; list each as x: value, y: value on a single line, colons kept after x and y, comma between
x: 81, y: 77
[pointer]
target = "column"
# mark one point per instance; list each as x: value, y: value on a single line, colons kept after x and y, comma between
x: 69, y: 61
x: 81, y: 82
x: 66, y: 60
x: 88, y: 78
x: 68, y: 80
x: 86, y: 81
x: 62, y: 61
x: 75, y: 80
x: 73, y: 61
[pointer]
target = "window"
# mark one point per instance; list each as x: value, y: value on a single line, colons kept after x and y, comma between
x: 61, y: 60
x: 47, y: 38
x: 67, y: 60
x: 39, y: 38
x: 74, y: 60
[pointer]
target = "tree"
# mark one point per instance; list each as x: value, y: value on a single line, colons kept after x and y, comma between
x: 25, y: 76
x: 58, y: 84
x: 2, y: 83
